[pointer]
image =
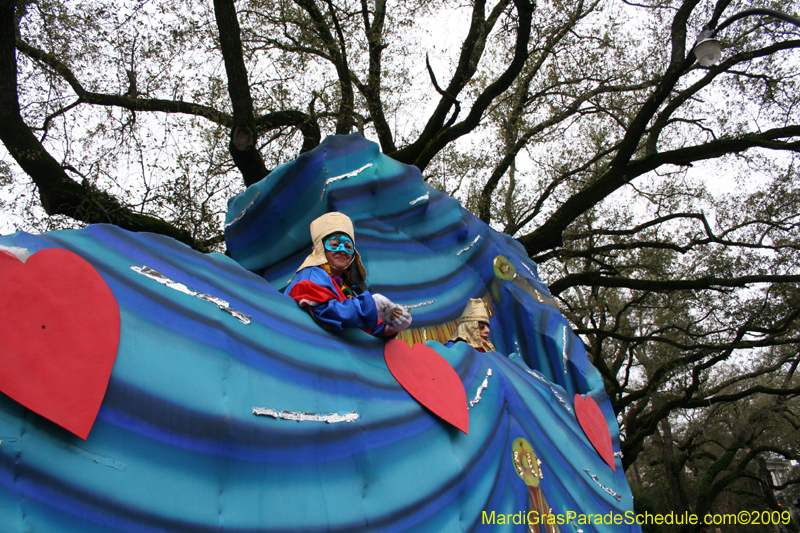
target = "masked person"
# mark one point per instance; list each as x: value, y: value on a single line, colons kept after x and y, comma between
x: 473, y: 327
x: 331, y: 284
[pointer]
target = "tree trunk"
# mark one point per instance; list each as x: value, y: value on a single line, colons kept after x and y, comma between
x: 244, y: 137
x: 672, y: 469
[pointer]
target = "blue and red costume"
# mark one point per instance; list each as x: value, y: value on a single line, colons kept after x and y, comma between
x: 333, y: 306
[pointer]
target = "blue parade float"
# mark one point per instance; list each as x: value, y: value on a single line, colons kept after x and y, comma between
x: 229, y: 409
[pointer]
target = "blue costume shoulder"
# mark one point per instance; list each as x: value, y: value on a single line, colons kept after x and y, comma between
x: 315, y: 291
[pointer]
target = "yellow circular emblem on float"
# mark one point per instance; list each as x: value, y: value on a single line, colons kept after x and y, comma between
x: 527, y: 465
x: 503, y: 268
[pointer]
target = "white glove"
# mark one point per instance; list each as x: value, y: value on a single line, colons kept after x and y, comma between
x: 401, y: 321
x: 392, y: 314
x: 382, y: 303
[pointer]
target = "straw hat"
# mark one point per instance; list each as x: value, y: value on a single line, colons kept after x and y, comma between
x: 467, y: 330
x: 328, y: 224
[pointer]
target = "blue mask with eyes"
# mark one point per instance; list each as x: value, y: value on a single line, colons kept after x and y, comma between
x: 340, y: 243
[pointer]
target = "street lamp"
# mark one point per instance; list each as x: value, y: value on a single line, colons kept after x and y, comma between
x: 707, y: 49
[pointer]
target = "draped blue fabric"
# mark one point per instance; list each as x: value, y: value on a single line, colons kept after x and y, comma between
x: 177, y: 447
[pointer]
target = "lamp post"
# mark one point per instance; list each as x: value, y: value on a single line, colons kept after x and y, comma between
x: 707, y: 49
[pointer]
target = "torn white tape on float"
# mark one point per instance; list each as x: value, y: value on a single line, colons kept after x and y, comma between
x: 577, y: 529
x: 534, y: 274
x: 414, y: 306
x: 425, y: 196
x: 343, y: 176
x: 597, y: 480
x: 473, y: 243
x: 180, y: 287
x: 240, y: 215
x: 330, y: 418
x: 540, y: 377
x: 483, y: 387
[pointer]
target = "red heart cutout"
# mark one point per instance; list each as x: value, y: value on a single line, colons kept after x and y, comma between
x: 60, y: 334
x: 594, y: 425
x: 430, y: 379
